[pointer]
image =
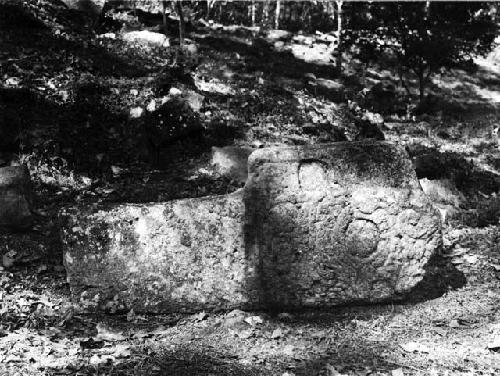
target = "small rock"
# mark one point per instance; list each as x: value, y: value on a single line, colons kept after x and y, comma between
x: 277, y: 333
x: 9, y: 258
x: 397, y: 372
x: 107, y: 334
x: 235, y: 319
x: 494, y: 345
x: 285, y: 317
x: 279, y: 45
x: 136, y: 112
x: 254, y: 320
x: 174, y: 91
x: 151, y: 107
x: 374, y: 118
x: 278, y: 35
x: 147, y: 37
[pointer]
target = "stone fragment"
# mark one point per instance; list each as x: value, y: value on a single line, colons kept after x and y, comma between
x: 15, y: 198
x: 147, y: 37
x: 183, y: 255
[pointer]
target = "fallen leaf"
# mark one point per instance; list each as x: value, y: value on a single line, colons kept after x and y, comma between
x: 494, y: 345
x: 414, y: 347
x: 454, y: 324
x: 397, y: 372
x: 116, y: 170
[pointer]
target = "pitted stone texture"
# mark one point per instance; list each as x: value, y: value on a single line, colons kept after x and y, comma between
x: 183, y: 255
x: 15, y: 198
x: 337, y: 224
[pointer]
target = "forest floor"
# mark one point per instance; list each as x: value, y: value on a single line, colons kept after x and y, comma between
x: 81, y: 147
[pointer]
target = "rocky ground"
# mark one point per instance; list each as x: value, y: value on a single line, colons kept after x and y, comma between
x: 83, y: 144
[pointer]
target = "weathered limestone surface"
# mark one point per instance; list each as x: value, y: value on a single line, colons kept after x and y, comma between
x: 15, y: 198
x: 314, y: 226
x: 337, y: 224
x: 183, y: 255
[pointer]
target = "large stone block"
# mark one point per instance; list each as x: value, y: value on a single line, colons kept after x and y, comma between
x: 337, y: 224
x: 183, y: 255
x: 15, y: 198
x: 314, y: 226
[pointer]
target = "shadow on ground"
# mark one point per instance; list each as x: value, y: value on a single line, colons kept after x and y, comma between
x: 261, y: 56
x: 34, y: 41
x: 440, y: 277
x: 183, y: 362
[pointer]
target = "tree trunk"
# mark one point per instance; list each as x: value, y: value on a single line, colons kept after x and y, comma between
x: 164, y: 16
x: 254, y: 6
x: 265, y: 12
x: 402, y: 81
x: 339, y: 36
x: 277, y: 15
x: 421, y: 86
x: 182, y: 27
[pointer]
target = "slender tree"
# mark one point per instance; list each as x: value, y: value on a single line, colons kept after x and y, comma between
x: 182, y: 26
x: 277, y: 15
x: 339, y: 35
x: 423, y: 37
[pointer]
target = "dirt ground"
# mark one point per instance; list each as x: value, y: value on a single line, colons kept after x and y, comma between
x: 82, y: 148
